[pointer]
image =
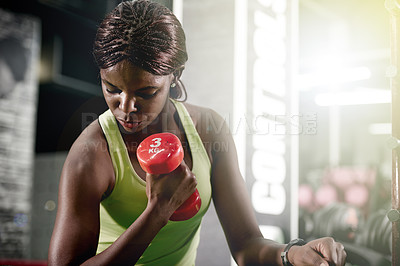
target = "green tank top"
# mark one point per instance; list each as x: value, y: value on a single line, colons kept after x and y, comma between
x: 177, y: 242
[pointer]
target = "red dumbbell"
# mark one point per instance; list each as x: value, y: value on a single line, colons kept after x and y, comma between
x: 161, y: 154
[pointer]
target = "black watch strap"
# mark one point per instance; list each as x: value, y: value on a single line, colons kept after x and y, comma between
x: 284, y: 254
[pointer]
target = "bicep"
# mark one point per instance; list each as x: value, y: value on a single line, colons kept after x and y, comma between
x: 230, y: 196
x: 75, y: 235
x: 76, y: 231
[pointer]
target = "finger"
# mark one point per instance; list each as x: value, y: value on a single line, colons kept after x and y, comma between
x: 317, y: 260
x: 305, y: 255
x: 327, y: 248
x: 182, y: 167
x: 341, y: 254
x: 151, y: 177
x: 184, y: 171
x: 183, y: 163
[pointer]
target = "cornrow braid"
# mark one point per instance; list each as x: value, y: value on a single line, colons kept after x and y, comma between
x: 145, y: 33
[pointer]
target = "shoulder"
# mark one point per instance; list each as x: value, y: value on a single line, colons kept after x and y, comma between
x: 205, y: 119
x: 91, y: 143
x: 211, y: 126
x: 88, y: 160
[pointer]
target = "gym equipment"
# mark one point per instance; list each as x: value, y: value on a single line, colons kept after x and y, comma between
x: 376, y: 233
x: 162, y: 153
x: 393, y: 6
x: 339, y: 220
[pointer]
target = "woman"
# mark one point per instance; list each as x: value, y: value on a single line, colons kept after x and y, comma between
x: 110, y: 211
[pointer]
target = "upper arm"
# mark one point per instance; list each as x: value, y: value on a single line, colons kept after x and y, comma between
x: 84, y: 179
x: 230, y: 194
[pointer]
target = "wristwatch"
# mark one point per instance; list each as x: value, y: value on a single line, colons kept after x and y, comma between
x: 284, y: 254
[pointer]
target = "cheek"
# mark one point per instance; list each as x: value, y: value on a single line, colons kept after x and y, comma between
x: 154, y: 108
x: 151, y: 109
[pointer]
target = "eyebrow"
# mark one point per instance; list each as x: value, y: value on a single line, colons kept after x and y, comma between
x: 141, y: 89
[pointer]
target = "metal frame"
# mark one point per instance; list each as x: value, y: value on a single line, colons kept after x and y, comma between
x: 393, y: 6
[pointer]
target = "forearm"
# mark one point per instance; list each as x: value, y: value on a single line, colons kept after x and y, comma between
x: 322, y: 251
x: 128, y: 248
x: 259, y: 251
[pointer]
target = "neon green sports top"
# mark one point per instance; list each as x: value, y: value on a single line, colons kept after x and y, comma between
x: 177, y: 242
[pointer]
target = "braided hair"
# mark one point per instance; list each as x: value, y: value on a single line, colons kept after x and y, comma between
x: 146, y: 34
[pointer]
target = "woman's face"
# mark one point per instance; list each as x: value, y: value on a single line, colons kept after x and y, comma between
x: 135, y: 97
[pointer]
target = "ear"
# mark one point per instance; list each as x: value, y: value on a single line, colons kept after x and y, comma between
x: 178, y: 73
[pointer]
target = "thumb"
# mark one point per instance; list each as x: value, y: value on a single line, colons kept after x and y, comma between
x: 151, y: 177
x: 182, y: 167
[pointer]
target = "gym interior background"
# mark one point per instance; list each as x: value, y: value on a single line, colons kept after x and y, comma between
x: 302, y: 84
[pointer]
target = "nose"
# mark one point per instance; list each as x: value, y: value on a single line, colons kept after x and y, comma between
x: 127, y: 103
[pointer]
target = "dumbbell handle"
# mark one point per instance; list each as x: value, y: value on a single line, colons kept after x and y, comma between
x: 161, y: 154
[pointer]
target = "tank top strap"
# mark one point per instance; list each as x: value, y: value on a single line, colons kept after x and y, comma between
x: 194, y: 139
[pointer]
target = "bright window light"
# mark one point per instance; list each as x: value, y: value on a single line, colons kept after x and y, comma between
x: 329, y: 76
x: 380, y: 129
x: 356, y: 97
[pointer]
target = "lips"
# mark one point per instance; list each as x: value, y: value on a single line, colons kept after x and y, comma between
x: 129, y: 124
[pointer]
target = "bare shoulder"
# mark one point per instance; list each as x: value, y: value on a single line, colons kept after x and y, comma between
x: 88, y: 159
x: 212, y: 128
x: 206, y: 120
x: 91, y: 139
x: 90, y: 144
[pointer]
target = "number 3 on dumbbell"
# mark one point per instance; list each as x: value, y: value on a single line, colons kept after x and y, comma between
x: 157, y: 142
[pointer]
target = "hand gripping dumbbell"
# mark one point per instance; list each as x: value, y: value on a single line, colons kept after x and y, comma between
x: 161, y: 154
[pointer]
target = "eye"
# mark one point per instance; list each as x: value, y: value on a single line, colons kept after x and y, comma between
x: 147, y: 96
x: 113, y: 91
x: 110, y: 88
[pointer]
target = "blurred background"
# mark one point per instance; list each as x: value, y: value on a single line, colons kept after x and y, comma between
x: 302, y: 84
